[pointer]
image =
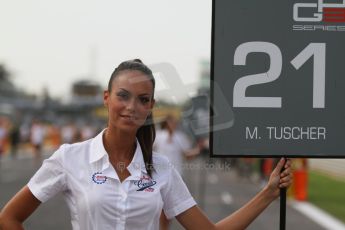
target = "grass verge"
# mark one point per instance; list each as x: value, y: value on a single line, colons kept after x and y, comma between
x: 327, y: 193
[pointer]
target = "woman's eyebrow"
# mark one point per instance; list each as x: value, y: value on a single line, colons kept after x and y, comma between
x: 140, y: 95
x: 125, y: 90
x: 144, y: 94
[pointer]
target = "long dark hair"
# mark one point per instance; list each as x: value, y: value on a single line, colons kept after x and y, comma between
x: 146, y: 134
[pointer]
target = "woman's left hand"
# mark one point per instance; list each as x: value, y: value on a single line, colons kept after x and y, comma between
x: 279, y: 178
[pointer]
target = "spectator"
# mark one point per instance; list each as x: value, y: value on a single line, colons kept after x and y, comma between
x: 37, y: 134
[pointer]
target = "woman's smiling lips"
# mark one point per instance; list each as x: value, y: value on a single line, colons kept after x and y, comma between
x: 128, y: 117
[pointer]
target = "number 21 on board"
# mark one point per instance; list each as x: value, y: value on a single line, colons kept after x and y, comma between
x: 315, y: 50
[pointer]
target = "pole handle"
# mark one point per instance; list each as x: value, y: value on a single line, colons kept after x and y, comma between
x: 282, y: 220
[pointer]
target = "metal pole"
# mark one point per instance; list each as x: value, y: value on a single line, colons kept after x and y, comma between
x: 282, y: 220
x: 282, y: 208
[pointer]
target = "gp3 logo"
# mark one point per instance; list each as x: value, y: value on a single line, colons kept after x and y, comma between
x: 326, y: 12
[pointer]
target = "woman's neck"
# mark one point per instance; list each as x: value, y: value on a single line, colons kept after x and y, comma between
x: 119, y: 145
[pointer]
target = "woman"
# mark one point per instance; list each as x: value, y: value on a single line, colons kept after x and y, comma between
x: 173, y: 143
x: 114, y: 182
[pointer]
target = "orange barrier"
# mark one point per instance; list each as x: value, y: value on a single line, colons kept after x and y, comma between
x: 268, y: 167
x: 300, y: 180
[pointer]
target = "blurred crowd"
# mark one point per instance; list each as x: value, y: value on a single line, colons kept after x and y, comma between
x: 35, y: 136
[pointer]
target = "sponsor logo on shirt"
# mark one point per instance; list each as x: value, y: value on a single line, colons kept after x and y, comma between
x: 98, y: 178
x: 145, y: 183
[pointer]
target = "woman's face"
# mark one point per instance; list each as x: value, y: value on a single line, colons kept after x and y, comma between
x: 130, y: 100
x: 172, y: 124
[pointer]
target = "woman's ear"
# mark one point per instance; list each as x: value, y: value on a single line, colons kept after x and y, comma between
x: 106, y: 98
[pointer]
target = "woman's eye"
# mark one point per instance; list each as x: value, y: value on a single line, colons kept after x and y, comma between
x: 123, y: 95
x: 144, y: 100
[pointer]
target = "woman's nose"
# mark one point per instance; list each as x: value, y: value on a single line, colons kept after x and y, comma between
x: 131, y: 104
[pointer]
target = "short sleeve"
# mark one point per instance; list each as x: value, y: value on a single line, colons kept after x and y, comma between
x: 177, y: 198
x: 50, y: 178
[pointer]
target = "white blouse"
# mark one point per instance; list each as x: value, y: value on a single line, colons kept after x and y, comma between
x: 96, y: 197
